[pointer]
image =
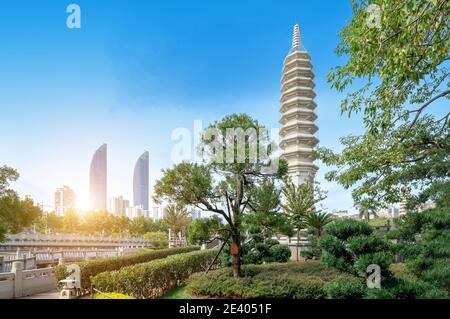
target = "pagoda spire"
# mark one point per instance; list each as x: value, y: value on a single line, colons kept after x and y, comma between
x: 296, y: 41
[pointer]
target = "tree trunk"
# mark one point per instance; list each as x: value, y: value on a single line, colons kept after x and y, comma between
x: 236, y: 257
x: 298, y: 241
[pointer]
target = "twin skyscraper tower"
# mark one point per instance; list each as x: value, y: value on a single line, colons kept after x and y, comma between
x: 98, y: 180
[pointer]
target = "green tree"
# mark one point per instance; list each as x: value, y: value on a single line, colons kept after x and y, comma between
x: 205, y: 230
x: 424, y: 240
x: 265, y: 211
x: 71, y: 221
x: 300, y: 201
x: 401, y: 69
x: 365, y: 210
x: 177, y: 219
x: 15, y: 213
x: 317, y: 221
x: 159, y: 239
x: 350, y: 246
x: 231, y: 172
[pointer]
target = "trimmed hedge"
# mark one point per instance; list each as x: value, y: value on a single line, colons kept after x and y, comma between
x: 154, y: 279
x: 276, y: 280
x: 93, y: 267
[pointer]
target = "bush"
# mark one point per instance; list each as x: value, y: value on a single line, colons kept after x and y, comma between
x: 346, y: 289
x: 275, y: 280
x: 155, y: 278
x: 258, y: 252
x: 279, y: 253
x: 93, y: 267
x: 349, y: 246
x: 346, y: 228
x: 424, y: 241
x: 313, y: 251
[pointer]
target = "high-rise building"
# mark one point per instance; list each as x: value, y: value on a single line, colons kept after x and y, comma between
x: 141, y: 182
x: 297, y: 139
x: 98, y: 179
x: 118, y: 205
x: 64, y: 199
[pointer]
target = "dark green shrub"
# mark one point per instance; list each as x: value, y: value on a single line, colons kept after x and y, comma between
x: 350, y: 246
x: 346, y: 228
x: 155, y: 278
x: 279, y: 253
x: 275, y: 280
x: 257, y: 252
x: 93, y: 267
x: 424, y: 241
x: 313, y: 251
x: 346, y: 289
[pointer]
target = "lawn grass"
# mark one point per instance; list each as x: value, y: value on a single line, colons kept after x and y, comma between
x: 178, y: 293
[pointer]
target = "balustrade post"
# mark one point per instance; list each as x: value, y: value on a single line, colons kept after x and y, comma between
x: 17, y: 269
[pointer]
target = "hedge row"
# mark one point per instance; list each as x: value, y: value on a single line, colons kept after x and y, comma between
x: 93, y: 267
x: 156, y: 278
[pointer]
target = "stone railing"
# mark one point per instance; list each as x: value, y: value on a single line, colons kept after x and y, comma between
x: 6, y: 265
x: 19, y: 282
x: 47, y: 238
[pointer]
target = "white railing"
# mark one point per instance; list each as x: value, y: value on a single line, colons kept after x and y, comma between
x: 19, y: 282
x: 29, y: 263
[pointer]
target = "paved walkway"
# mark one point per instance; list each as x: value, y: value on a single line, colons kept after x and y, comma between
x: 45, y: 295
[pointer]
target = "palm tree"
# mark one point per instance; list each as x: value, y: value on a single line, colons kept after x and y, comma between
x: 365, y: 211
x: 177, y: 219
x: 317, y: 220
x: 299, y: 202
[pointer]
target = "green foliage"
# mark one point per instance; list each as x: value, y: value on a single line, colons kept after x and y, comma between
x: 15, y: 213
x: 300, y: 202
x: 346, y: 228
x: 91, y: 268
x: 264, y: 211
x: 401, y: 71
x: 313, y: 251
x: 178, y: 293
x: 112, y: 295
x: 317, y: 221
x: 177, y: 219
x: 346, y: 289
x: 258, y: 251
x: 203, y: 230
x: 349, y: 246
x: 290, y: 280
x: 159, y: 239
x: 438, y: 192
x: 424, y: 240
x: 155, y: 278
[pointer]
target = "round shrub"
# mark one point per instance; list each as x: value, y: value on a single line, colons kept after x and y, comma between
x: 346, y: 289
x: 279, y: 253
x: 346, y: 228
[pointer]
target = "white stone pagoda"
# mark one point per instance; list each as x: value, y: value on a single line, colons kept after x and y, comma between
x: 297, y: 139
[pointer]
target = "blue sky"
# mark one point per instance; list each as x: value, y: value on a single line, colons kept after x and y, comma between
x: 136, y: 70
